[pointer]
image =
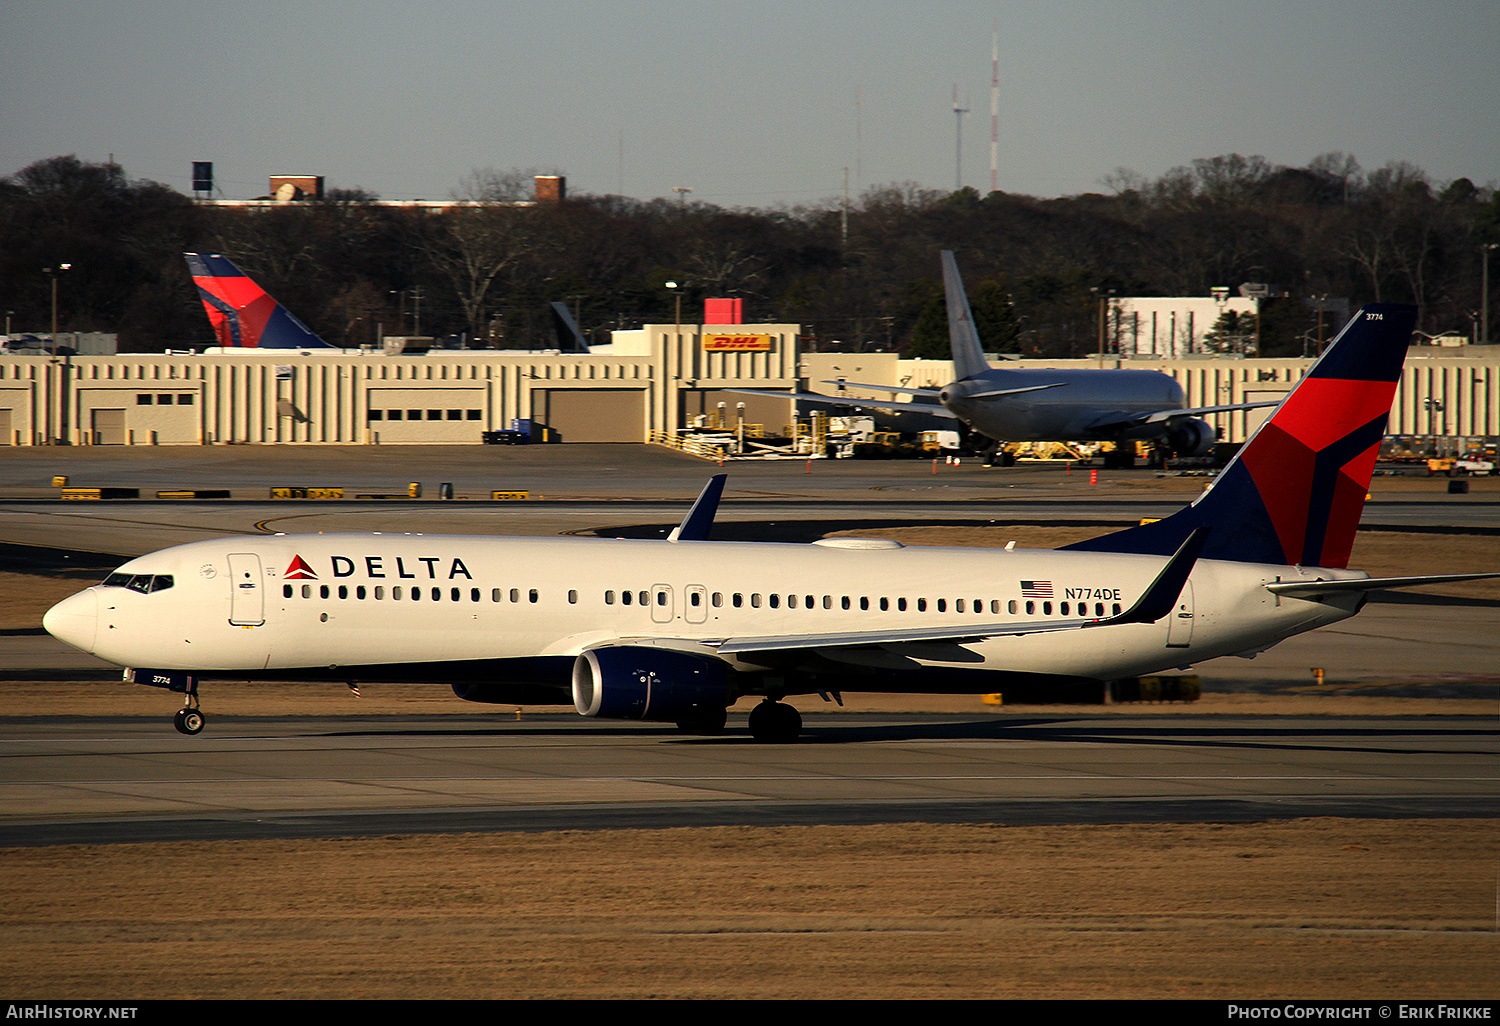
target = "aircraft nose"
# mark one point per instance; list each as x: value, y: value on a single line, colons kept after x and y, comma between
x: 75, y: 620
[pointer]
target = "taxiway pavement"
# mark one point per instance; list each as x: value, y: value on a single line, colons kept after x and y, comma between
x: 122, y: 779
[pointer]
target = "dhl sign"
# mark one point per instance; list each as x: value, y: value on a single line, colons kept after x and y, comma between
x: 736, y: 343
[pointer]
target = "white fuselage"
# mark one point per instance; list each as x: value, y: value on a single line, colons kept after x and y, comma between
x: 338, y: 602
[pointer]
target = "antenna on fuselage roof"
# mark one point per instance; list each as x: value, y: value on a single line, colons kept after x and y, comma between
x: 700, y: 519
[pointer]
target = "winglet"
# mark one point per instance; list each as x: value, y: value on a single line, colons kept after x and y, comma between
x: 1159, y: 599
x: 700, y: 519
x: 968, y: 354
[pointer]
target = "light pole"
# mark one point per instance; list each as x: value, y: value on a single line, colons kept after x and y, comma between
x: 51, y: 272
x: 1484, y: 290
x: 64, y: 400
x: 669, y: 379
x: 677, y: 316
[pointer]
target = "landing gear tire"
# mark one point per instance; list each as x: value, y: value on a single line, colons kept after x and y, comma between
x: 708, y: 722
x: 188, y: 721
x: 775, y: 723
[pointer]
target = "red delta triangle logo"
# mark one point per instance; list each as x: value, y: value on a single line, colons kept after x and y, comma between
x: 298, y: 570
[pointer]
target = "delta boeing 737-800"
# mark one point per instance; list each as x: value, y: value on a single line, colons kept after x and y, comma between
x: 679, y: 630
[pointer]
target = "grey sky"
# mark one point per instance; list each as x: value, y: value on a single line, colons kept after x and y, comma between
x: 753, y: 104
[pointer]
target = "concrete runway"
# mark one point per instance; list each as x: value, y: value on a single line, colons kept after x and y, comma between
x: 88, y: 780
x: 66, y: 780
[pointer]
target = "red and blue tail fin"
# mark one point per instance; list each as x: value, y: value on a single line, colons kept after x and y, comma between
x: 243, y: 314
x: 1294, y: 493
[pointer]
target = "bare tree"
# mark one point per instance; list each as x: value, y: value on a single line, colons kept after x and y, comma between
x: 475, y: 243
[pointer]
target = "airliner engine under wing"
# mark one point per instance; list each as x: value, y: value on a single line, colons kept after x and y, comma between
x: 678, y: 630
x: 242, y: 314
x: 1018, y: 405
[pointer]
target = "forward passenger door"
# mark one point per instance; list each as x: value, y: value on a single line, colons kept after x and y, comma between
x: 247, y: 603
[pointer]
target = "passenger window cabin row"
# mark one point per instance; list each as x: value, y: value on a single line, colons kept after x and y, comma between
x: 414, y: 594
x: 737, y: 600
x: 864, y: 603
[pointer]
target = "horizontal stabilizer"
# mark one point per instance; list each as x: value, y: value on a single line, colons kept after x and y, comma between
x: 1300, y: 588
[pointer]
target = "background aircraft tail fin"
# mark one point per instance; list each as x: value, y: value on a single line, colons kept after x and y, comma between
x: 968, y: 354
x: 1294, y: 493
x: 242, y: 314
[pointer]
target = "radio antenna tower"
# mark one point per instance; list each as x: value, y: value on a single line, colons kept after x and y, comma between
x: 958, y: 116
x: 995, y: 109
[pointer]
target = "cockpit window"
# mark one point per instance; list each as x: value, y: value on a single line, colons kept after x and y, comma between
x: 143, y: 583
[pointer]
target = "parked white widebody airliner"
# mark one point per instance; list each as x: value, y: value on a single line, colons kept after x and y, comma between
x: 1015, y: 405
x: 678, y: 630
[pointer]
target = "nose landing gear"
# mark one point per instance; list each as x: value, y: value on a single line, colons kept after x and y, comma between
x: 189, y: 719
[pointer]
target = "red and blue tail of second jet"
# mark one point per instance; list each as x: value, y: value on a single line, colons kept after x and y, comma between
x: 1294, y: 493
x: 244, y: 315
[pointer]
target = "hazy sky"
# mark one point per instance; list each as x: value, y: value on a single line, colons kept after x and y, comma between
x: 748, y: 104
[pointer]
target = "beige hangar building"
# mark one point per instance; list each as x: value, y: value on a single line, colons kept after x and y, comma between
x: 657, y: 378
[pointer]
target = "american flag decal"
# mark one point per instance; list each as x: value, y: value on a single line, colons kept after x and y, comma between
x: 1036, y: 589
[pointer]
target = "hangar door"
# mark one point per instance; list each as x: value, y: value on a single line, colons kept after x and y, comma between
x: 592, y: 414
x: 108, y: 427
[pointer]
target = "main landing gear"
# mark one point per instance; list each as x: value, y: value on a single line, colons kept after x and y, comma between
x: 775, y: 723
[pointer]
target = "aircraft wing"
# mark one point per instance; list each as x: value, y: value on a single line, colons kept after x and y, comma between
x: 970, y: 632
x: 1156, y: 602
x: 873, y: 404
x: 1124, y: 420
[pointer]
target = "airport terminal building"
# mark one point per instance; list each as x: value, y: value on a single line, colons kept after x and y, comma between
x: 658, y: 378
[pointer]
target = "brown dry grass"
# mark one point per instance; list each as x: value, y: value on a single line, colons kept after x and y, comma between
x: 1312, y: 909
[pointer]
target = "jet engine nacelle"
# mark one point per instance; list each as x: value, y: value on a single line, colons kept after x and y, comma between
x: 1189, y: 436
x: 629, y: 682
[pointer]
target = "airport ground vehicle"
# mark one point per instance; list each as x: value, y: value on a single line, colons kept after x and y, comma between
x: 1460, y: 466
